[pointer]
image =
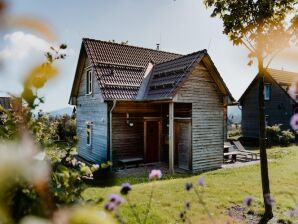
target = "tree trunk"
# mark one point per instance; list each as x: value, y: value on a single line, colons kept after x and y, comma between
x: 262, y: 141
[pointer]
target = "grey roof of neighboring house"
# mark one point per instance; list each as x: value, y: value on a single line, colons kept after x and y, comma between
x: 283, y: 78
x: 167, y: 76
x: 5, y: 102
x: 120, y: 68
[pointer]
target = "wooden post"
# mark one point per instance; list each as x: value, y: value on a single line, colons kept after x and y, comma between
x: 171, y: 137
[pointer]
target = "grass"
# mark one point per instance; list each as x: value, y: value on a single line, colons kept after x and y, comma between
x: 224, y: 188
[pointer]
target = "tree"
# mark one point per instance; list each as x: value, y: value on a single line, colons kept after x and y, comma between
x: 265, y: 28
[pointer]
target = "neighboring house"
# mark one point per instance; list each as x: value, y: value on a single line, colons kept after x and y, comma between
x: 279, y: 105
x: 137, y: 102
x: 5, y: 104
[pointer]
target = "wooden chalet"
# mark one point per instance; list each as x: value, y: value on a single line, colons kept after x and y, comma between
x: 279, y: 104
x: 135, y: 102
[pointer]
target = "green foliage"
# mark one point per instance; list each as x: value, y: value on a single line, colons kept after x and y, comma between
x: 287, y: 137
x: 273, y: 135
x: 264, y: 27
x: 277, y: 137
x: 234, y: 134
x: 44, y: 129
x: 67, y: 177
x: 66, y: 129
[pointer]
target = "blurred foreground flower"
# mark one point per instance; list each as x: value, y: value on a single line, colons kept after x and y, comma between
x: 294, y: 122
x: 269, y: 199
x: 248, y: 201
x: 293, y: 90
x: 125, y: 188
x: 17, y: 163
x: 201, y: 181
x: 155, y: 174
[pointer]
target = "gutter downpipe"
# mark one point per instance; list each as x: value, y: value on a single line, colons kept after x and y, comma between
x: 111, y: 112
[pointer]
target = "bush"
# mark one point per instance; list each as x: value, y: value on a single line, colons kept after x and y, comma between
x: 286, y: 138
x: 66, y: 129
x: 235, y: 133
x: 273, y: 135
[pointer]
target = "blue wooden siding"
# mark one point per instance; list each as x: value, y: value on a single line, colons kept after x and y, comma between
x: 91, y: 108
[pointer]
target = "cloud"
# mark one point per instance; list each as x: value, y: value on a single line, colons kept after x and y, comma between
x: 20, y: 45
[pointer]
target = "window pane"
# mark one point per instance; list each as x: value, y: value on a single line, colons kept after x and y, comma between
x: 87, y: 81
x: 267, y: 93
x: 88, y: 132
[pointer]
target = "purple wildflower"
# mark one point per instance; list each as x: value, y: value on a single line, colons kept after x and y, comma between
x: 110, y: 206
x: 296, y: 211
x: 188, y: 186
x: 248, y: 200
x: 115, y: 198
x: 294, y: 122
x: 187, y: 205
x: 201, y: 181
x: 125, y: 188
x: 269, y: 200
x: 293, y: 213
x: 155, y: 174
x: 182, y: 215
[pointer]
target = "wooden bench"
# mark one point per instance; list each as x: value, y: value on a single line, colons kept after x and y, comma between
x: 131, y: 161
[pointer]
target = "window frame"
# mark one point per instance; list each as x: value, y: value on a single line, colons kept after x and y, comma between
x: 89, y: 133
x: 269, y: 97
x: 89, y: 82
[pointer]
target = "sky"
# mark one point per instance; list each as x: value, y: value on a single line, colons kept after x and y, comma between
x: 180, y: 26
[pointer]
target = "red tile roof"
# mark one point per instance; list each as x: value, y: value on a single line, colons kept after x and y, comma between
x: 120, y: 68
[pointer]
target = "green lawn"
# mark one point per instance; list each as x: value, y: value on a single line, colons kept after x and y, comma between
x: 224, y: 188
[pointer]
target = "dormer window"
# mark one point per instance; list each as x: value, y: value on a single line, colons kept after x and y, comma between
x: 267, y: 91
x: 89, y: 82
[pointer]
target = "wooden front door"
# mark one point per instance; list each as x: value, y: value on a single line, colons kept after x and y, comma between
x: 152, y: 141
x: 183, y: 143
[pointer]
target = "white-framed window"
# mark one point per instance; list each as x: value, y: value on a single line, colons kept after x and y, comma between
x: 89, y: 133
x: 267, y: 91
x: 89, y: 82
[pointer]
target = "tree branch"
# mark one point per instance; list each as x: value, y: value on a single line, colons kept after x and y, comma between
x: 273, y: 56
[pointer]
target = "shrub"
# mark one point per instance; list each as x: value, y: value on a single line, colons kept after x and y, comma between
x: 286, y: 138
x: 234, y: 133
x: 66, y: 129
x: 273, y: 135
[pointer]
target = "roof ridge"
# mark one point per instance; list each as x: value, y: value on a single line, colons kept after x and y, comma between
x: 279, y: 70
x: 131, y: 46
x: 184, y: 56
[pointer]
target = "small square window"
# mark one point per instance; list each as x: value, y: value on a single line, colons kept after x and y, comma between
x: 89, y: 82
x: 267, y: 92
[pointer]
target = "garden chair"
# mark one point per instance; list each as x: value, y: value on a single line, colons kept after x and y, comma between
x: 240, y: 148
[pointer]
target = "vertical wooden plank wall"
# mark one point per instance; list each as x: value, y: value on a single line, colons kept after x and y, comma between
x: 207, y: 118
